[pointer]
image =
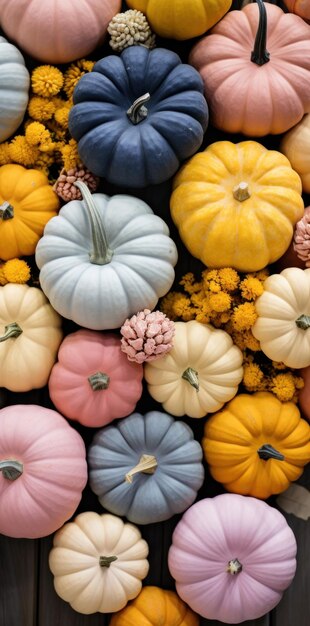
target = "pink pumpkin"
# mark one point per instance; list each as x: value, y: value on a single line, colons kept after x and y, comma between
x: 42, y: 471
x: 232, y: 557
x: 57, y: 32
x: 93, y: 381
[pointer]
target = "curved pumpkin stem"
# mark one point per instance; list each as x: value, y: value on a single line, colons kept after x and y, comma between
x: 12, y: 331
x: 11, y: 470
x: 101, y: 254
x: 138, y: 112
x: 259, y: 54
x: 6, y: 211
x: 191, y: 376
x: 146, y: 465
x: 267, y: 452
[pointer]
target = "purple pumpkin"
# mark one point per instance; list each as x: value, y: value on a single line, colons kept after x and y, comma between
x: 232, y: 557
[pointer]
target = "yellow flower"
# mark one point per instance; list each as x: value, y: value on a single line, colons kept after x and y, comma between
x: 44, y: 162
x: 16, y: 271
x: 262, y: 274
x: 229, y: 278
x: 238, y: 339
x: 37, y: 134
x: 73, y: 74
x: 244, y: 316
x: 41, y: 109
x: 70, y: 155
x: 198, y: 299
x: 252, y: 377
x: 220, y: 302
x: 251, y: 288
x: 278, y: 365
x: 299, y: 382
x: 283, y: 386
x: 5, y: 153
x: 46, y: 81
x: 182, y: 307
x: 188, y: 283
x: 22, y: 152
x: 58, y: 132
x: 250, y: 342
x: 3, y: 280
x: 61, y: 116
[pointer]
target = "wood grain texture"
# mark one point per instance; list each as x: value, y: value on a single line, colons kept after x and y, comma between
x: 18, y: 581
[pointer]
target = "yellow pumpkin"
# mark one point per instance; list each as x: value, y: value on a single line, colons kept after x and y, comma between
x: 181, y: 19
x: 236, y: 205
x: 296, y: 146
x: 27, y: 203
x: 257, y: 445
x: 156, y: 607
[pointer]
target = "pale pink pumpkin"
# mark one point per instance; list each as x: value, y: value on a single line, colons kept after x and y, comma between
x: 258, y: 96
x: 93, y: 381
x: 43, y: 471
x: 54, y: 31
x: 232, y: 557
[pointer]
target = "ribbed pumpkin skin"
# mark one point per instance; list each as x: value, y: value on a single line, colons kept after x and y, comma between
x: 26, y: 360
x: 56, y: 32
x: 296, y: 147
x: 75, y: 563
x: 179, y: 19
x: 156, y: 607
x: 82, y: 355
x: 222, y: 231
x: 217, y: 530
x: 233, y: 437
x: 34, y: 203
x: 153, y: 497
x: 150, y: 152
x: 14, y: 86
x: 252, y: 99
x: 300, y: 7
x: 55, y: 471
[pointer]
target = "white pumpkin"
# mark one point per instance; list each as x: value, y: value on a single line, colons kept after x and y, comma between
x: 98, y: 562
x: 103, y: 259
x: 283, y: 323
x: 14, y: 88
x: 200, y: 373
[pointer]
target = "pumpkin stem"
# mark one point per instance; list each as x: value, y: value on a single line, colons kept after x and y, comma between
x: 303, y: 321
x: 259, y: 54
x: 12, y: 330
x: 99, y: 381
x: 6, y: 211
x: 234, y: 567
x: 11, y: 469
x: 146, y: 465
x: 101, y: 254
x: 138, y: 112
x: 267, y: 451
x: 105, y: 561
x: 192, y: 377
x: 241, y: 192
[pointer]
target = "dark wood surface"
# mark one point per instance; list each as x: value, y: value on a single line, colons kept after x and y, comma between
x: 27, y: 596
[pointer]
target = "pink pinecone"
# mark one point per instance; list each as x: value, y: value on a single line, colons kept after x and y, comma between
x: 147, y: 336
x: 64, y: 185
x: 301, y: 241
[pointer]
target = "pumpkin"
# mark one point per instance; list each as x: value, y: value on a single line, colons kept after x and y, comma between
x: 103, y: 259
x: 303, y: 396
x: 235, y: 205
x: 300, y: 7
x: 42, y: 471
x: 57, y: 33
x: 138, y: 115
x: 283, y: 322
x: 14, y: 87
x: 296, y: 146
x: 146, y: 468
x: 98, y: 563
x: 155, y: 607
x: 200, y: 373
x: 93, y: 381
x: 254, y: 89
x: 30, y: 334
x: 181, y: 20
x: 27, y: 202
x: 232, y: 557
x: 257, y: 445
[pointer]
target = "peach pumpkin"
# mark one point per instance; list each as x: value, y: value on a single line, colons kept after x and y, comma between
x: 300, y: 7
x: 296, y: 147
x: 93, y: 381
x: 254, y: 89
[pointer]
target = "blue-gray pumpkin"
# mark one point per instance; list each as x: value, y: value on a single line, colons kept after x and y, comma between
x: 146, y: 468
x: 137, y: 116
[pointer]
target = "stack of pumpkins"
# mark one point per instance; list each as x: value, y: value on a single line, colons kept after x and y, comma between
x: 104, y: 264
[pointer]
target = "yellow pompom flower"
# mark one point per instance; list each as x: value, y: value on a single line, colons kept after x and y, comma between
x: 46, y: 81
x: 73, y: 74
x: 70, y: 155
x: 251, y: 288
x: 252, y: 377
x: 22, y: 152
x: 3, y: 280
x: 41, y: 109
x: 36, y: 134
x: 261, y: 274
x: 250, y: 342
x: 188, y: 283
x: 228, y: 278
x: 62, y: 116
x: 283, y: 386
x: 16, y: 271
x: 244, y: 316
x: 5, y: 153
x: 220, y: 302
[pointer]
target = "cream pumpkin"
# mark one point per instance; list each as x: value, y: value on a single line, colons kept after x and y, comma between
x: 296, y: 146
x: 200, y: 373
x: 98, y: 562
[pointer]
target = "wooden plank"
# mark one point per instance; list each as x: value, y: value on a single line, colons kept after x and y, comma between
x: 18, y: 573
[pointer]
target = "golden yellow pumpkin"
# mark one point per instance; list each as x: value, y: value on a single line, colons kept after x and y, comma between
x: 27, y: 203
x: 257, y: 445
x: 181, y: 19
x: 156, y: 607
x: 236, y: 205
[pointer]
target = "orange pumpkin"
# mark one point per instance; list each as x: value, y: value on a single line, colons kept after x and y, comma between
x: 300, y: 7
x: 156, y: 607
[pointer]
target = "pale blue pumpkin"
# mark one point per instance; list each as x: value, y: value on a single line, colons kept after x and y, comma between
x: 158, y: 444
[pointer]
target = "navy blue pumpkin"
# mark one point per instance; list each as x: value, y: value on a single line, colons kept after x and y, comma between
x: 138, y: 115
